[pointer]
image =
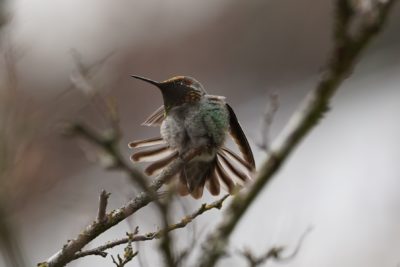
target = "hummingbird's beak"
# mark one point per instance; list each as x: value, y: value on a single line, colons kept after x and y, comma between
x: 147, y: 80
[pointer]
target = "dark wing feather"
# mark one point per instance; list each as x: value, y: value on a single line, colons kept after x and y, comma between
x: 156, y: 118
x: 240, y: 138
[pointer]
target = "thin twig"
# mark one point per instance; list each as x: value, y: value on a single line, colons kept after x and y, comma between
x: 343, y: 58
x: 268, y: 117
x: 127, y: 257
x: 99, y: 251
x: 90, y: 253
x: 274, y: 253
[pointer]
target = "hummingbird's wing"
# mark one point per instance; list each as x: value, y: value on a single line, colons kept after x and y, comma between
x: 240, y: 138
x: 156, y: 118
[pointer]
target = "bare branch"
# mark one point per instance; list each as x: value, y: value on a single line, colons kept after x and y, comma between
x: 154, y: 235
x: 298, y: 247
x: 100, y: 251
x: 67, y: 253
x: 342, y: 60
x: 90, y: 252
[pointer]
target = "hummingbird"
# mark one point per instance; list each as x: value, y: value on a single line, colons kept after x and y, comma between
x: 192, y: 119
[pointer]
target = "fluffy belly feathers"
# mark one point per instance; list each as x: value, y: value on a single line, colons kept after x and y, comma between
x: 201, y: 125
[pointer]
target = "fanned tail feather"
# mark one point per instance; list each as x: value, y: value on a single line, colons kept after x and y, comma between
x: 161, y: 156
x: 194, y: 176
x: 221, y: 170
x: 238, y: 159
x: 182, y: 185
x: 198, y: 191
x: 147, y: 142
x: 234, y: 169
x: 224, y: 177
x: 227, y: 168
x: 213, y: 183
x: 160, y: 164
x: 151, y: 154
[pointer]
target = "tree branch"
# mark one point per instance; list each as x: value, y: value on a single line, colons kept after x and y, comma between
x: 274, y: 253
x: 342, y: 60
x: 153, y: 235
x: 67, y: 253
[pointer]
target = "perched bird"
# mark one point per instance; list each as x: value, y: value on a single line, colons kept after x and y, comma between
x: 192, y: 119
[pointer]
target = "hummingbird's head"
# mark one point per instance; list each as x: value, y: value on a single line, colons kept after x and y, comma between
x: 178, y: 90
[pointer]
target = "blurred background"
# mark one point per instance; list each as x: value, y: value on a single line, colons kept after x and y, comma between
x: 343, y: 180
